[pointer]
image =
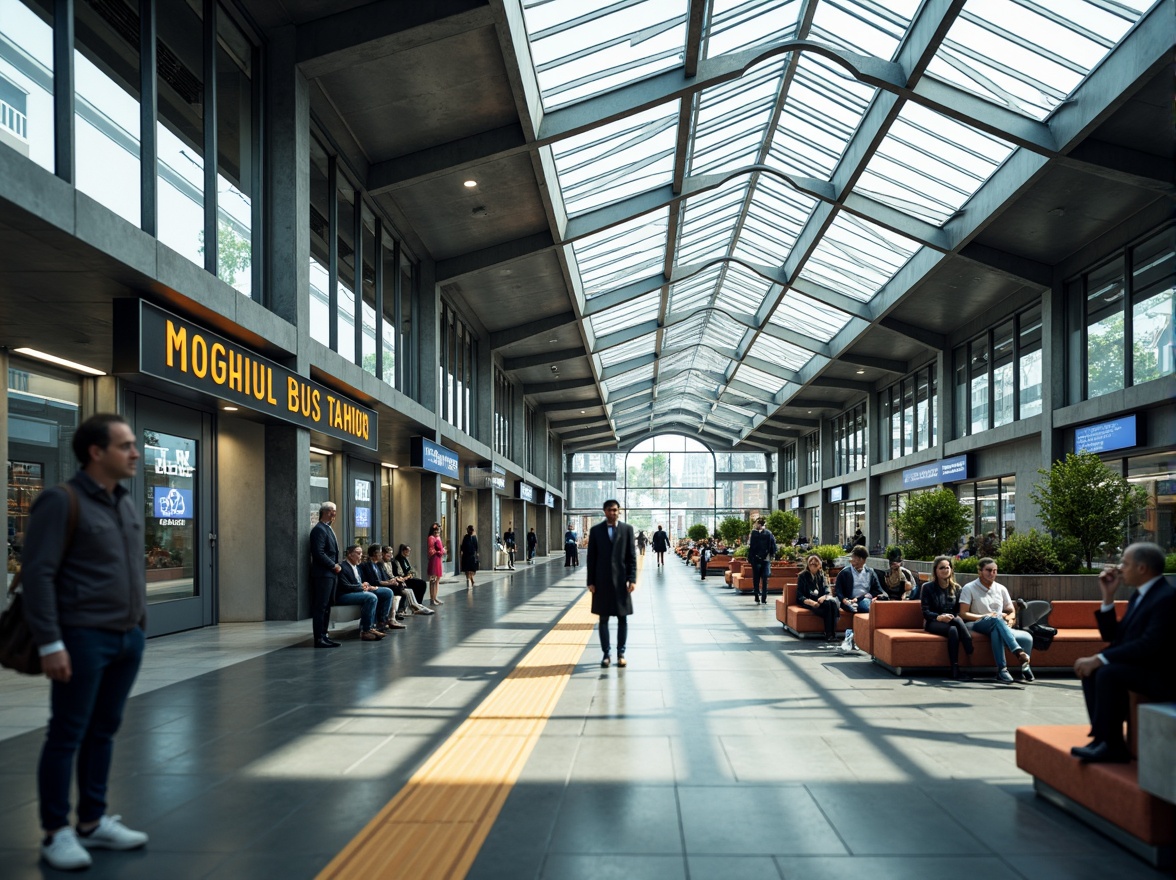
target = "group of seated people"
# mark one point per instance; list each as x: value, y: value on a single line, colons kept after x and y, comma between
x: 949, y: 610
x: 386, y: 588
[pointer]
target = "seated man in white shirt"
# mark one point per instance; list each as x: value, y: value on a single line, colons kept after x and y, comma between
x: 857, y: 586
x: 986, y: 607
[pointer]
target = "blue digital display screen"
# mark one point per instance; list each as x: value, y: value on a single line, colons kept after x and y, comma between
x: 363, y: 517
x: 1107, y: 436
x: 172, y: 503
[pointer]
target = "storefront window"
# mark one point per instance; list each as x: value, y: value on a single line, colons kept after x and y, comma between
x: 320, y: 244
x: 1002, y: 374
x: 1157, y: 474
x: 26, y: 79
x: 169, y: 473
x: 850, y: 516
x: 993, y: 507
x: 43, y: 411
x: 320, y: 484
x: 1029, y: 362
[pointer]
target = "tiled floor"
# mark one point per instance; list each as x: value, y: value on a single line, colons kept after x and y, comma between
x: 726, y: 749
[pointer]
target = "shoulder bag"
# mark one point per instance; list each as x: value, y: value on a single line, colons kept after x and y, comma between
x: 18, y: 651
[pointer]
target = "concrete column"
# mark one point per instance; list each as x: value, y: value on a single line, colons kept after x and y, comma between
x: 518, y: 431
x: 542, y: 531
x: 287, y: 245
x: 287, y: 500
x: 830, y: 525
x: 484, y: 394
x: 1053, y: 396
x: 426, y: 321
x: 945, y: 401
x: 485, y: 521
x: 430, y: 513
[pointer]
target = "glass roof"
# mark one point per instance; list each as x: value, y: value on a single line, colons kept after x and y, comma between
x: 783, y: 130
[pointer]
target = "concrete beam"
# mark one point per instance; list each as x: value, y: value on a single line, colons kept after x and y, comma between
x: 511, y: 335
x: 888, y: 365
x: 558, y: 385
x: 499, y: 254
x: 542, y: 360
x: 445, y: 159
x: 929, y: 338
x: 1012, y: 266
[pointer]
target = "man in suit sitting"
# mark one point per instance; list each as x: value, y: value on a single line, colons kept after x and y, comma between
x: 1138, y: 657
x: 612, y: 576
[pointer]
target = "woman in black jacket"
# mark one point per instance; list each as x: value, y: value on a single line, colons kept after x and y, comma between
x: 469, y: 555
x: 813, y: 593
x: 941, y: 599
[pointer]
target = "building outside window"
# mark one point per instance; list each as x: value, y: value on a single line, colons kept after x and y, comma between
x: 993, y: 506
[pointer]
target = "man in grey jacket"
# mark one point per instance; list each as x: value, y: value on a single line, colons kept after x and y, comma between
x: 86, y: 599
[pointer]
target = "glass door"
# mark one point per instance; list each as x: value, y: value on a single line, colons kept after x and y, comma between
x: 174, y: 486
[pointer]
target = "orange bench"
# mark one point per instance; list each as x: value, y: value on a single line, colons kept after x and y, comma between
x: 805, y: 625
x: 895, y: 637
x: 781, y: 579
x: 1105, y: 796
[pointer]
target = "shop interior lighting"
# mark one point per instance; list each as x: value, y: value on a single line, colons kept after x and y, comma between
x: 229, y: 408
x: 389, y: 465
x: 321, y: 451
x: 470, y: 184
x: 61, y: 362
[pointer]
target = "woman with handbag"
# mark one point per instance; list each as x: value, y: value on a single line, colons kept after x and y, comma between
x: 436, y: 551
x: 469, y: 556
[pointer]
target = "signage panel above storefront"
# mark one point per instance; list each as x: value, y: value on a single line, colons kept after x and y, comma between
x: 548, y: 499
x: 155, y: 342
x: 947, y: 470
x: 794, y: 503
x: 1108, y: 436
x: 432, y: 457
x: 485, y: 476
x: 837, y: 493
x: 524, y: 491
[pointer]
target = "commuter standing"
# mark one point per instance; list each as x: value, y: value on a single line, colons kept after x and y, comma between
x: 436, y: 552
x: 612, y: 577
x: 508, y: 540
x: 532, y: 543
x: 571, y: 550
x: 761, y: 550
x: 86, y: 599
x: 661, y: 543
x: 325, y: 566
x: 469, y: 555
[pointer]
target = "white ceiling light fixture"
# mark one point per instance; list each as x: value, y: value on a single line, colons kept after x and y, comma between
x: 61, y: 362
x: 389, y: 465
x: 321, y: 451
x: 470, y: 184
x: 229, y: 408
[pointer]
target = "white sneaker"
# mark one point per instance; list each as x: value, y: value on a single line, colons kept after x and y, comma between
x: 64, y: 852
x: 113, y: 834
x: 421, y: 609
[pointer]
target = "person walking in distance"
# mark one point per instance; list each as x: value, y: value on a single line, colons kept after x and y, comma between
x: 86, y: 603
x: 532, y: 543
x: 612, y: 577
x: 661, y: 543
x: 761, y: 550
x: 325, y: 565
x: 508, y: 541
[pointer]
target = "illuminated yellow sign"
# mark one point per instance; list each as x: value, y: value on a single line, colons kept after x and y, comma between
x: 158, y: 343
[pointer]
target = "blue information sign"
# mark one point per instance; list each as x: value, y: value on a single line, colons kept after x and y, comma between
x: 430, y: 456
x: 363, y: 517
x: 1107, y: 436
x: 947, y: 470
x: 172, y: 503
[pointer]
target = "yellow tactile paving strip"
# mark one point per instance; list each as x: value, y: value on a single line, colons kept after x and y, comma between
x: 436, y: 824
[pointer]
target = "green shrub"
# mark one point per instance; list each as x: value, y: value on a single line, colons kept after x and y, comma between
x: 784, y: 525
x: 740, y: 552
x: 697, y: 532
x: 932, y: 522
x: 1029, y: 552
x: 970, y: 565
x: 733, y: 527
x: 1170, y: 563
x: 829, y: 553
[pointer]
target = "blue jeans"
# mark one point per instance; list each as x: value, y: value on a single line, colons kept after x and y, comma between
x: 863, y: 604
x: 1003, y: 637
x: 373, y: 606
x: 86, y: 713
x: 760, y: 572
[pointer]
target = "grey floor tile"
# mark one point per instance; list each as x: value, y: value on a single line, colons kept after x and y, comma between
x: 732, y: 868
x: 754, y: 820
x: 892, y: 868
x: 575, y: 867
x: 1063, y: 866
x: 618, y: 819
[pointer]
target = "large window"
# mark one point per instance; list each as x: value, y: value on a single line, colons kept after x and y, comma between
x: 457, y: 371
x: 998, y: 374
x: 849, y: 441
x: 908, y: 410
x: 503, y: 415
x: 811, y: 444
x: 669, y: 479
x: 1121, y: 319
x: 993, y: 505
x: 788, y: 481
x: 26, y: 79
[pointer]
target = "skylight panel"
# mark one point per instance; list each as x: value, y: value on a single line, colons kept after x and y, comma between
x: 694, y: 292
x: 863, y: 26
x: 856, y: 257
x: 742, y: 24
x: 929, y: 165
x: 743, y: 290
x: 632, y: 377
x: 805, y: 315
x: 617, y: 255
x: 823, y: 109
x: 777, y: 351
x: 732, y: 120
x: 1028, y: 56
x: 610, y: 163
x: 582, y: 48
x: 708, y: 223
x: 619, y: 353
x: 774, y: 220
x: 759, y: 379
x: 635, y: 311
x: 684, y: 333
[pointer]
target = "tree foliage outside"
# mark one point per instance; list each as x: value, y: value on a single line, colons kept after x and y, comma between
x: 697, y: 532
x: 1081, y: 498
x: 784, y: 525
x: 1028, y: 552
x: 653, y: 472
x: 732, y: 528
x: 932, y: 523
x: 234, y: 252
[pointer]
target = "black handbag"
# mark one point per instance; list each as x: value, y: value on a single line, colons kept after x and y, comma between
x: 18, y: 651
x: 1043, y: 636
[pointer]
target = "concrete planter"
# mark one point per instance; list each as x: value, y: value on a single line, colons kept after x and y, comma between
x: 1052, y: 587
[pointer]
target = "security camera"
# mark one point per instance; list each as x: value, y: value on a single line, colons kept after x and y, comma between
x: 554, y: 368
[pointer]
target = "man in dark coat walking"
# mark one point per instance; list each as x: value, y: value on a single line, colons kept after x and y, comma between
x: 612, y: 577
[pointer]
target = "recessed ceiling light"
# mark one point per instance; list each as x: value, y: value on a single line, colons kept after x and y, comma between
x: 321, y: 451
x: 470, y: 184
x: 810, y: 412
x: 583, y: 411
x: 229, y: 408
x: 61, y: 362
x: 389, y: 465
x: 861, y: 372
